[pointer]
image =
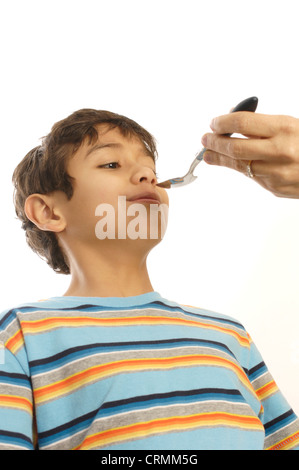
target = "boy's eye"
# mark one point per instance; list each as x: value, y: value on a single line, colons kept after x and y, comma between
x: 107, y: 165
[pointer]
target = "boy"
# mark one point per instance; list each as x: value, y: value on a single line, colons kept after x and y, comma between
x: 112, y: 364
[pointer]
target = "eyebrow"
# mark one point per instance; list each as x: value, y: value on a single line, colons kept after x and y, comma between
x: 115, y: 145
x: 102, y: 146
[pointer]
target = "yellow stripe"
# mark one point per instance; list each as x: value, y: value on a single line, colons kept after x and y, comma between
x: 267, y: 390
x: 15, y: 342
x: 49, y: 323
x: 92, y: 374
x: 171, y: 424
x: 287, y: 443
x: 16, y: 402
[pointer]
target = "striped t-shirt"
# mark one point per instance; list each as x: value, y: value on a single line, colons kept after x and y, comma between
x: 129, y: 373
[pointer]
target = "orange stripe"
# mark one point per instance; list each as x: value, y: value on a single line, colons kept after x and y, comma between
x: 96, y: 372
x: 36, y: 326
x: 15, y: 341
x: 266, y: 390
x: 167, y: 425
x: 15, y: 402
x: 286, y: 443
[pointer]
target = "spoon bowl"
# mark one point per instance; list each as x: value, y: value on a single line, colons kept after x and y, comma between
x: 250, y: 104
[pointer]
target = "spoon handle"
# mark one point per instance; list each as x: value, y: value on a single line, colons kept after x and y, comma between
x: 250, y: 104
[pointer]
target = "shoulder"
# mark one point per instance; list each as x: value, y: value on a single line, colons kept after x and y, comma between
x: 217, y: 323
x: 11, y: 313
x: 203, y: 313
x: 215, y: 330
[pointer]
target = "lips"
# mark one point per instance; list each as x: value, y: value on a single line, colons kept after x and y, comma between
x: 149, y: 196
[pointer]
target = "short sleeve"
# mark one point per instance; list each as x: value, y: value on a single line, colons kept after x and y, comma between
x: 16, y: 405
x: 279, y: 420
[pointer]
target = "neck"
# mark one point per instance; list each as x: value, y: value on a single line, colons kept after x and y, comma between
x: 110, y: 273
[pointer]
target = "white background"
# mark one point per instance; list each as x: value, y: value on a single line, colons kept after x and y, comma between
x: 172, y: 66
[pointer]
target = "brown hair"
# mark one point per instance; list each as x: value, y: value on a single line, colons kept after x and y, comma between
x: 43, y: 170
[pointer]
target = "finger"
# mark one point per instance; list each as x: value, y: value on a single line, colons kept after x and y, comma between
x: 259, y: 168
x: 281, y: 180
x: 274, y: 169
x: 247, y: 123
x: 241, y: 149
x: 214, y: 158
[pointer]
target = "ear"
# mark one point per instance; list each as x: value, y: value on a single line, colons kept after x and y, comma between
x: 44, y: 213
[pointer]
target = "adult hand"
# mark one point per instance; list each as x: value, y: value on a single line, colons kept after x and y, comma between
x: 272, y: 147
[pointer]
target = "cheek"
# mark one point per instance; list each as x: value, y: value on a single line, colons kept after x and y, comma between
x: 89, y: 194
x: 81, y: 208
x: 164, y: 196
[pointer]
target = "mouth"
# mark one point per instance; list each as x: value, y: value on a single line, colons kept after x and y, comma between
x: 145, y: 198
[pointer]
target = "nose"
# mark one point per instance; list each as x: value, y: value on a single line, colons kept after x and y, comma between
x: 144, y: 174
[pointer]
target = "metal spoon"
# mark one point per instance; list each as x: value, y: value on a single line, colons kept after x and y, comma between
x: 250, y: 104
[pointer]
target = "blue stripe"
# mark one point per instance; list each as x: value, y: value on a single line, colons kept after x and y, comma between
x: 257, y: 371
x: 18, y: 439
x: 138, y: 403
x: 80, y: 352
x: 280, y: 422
x: 15, y: 379
x: 157, y: 304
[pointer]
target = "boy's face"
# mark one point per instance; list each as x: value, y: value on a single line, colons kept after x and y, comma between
x: 112, y: 167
